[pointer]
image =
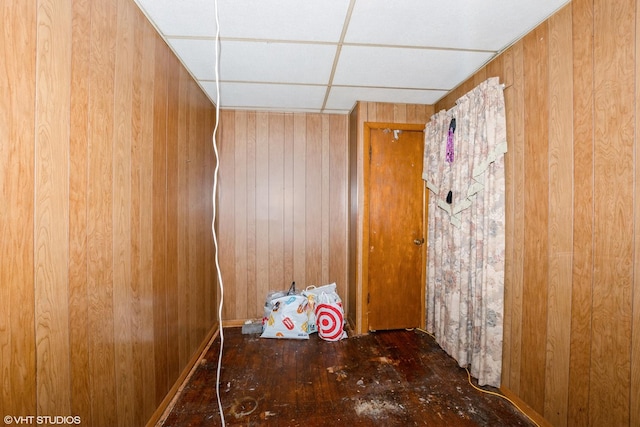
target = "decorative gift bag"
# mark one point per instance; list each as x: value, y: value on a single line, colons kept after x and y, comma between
x: 272, y: 297
x: 288, y: 318
x: 330, y: 317
x: 312, y: 293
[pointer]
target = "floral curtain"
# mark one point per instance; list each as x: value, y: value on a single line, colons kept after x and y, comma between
x: 464, y: 171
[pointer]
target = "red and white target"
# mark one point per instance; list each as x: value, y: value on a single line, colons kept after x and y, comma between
x: 329, y: 321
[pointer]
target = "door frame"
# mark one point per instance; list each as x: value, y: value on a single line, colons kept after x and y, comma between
x: 364, y: 288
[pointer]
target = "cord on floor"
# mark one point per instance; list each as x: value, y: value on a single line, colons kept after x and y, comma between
x: 487, y: 391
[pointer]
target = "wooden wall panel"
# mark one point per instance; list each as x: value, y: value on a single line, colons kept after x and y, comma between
x: 570, y: 284
x: 123, y: 298
x: 283, y: 205
x: 313, y: 202
x: 99, y: 213
x: 79, y: 361
x: 634, y: 401
x: 51, y: 228
x: 17, y: 119
x: 560, y: 224
x: 355, y: 232
x: 159, y: 220
x: 536, y: 211
x: 614, y: 62
x: 97, y: 117
x: 581, y: 297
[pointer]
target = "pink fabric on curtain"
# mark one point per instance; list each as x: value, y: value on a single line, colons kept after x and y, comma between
x: 465, y: 272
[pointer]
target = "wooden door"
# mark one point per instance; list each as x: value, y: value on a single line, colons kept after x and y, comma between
x: 396, y: 229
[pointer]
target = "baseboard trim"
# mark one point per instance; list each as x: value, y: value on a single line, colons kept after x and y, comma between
x: 162, y: 411
x: 526, y: 409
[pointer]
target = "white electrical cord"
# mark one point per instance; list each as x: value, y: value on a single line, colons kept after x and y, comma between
x: 213, y: 221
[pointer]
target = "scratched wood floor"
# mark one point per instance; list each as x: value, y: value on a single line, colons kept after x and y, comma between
x: 394, y: 378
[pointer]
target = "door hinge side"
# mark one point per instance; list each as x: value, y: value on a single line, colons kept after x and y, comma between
x: 370, y: 153
x: 368, y: 297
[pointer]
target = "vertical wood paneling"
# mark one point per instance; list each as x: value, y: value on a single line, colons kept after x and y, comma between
x: 51, y: 245
x: 614, y: 26
x: 184, y: 296
x: 324, y: 194
x: 210, y: 269
x: 507, y: 79
x: 240, y: 208
x: 517, y: 114
x: 299, y: 197
x: 560, y: 224
x: 183, y: 220
x: 354, y: 304
x: 123, y: 298
x: 583, y: 214
x: 262, y: 206
x: 78, y: 170
x: 286, y: 183
x: 288, y: 186
x: 140, y: 282
x: 571, y: 331
x: 634, y: 402
x: 159, y: 221
x: 202, y: 136
x: 172, y: 189
x: 276, y: 194
x: 99, y: 214
x: 536, y: 265
x: 254, y: 301
x: 17, y: 120
x: 92, y: 227
x: 145, y: 230
x: 337, y: 185
x: 313, y: 201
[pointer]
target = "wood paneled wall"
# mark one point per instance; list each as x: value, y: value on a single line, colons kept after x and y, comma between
x: 372, y: 112
x: 283, y: 205
x: 572, y: 309
x: 106, y: 171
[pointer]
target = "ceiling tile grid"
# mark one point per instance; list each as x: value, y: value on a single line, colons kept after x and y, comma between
x: 325, y: 55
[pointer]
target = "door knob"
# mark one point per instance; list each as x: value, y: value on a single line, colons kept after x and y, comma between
x: 418, y: 242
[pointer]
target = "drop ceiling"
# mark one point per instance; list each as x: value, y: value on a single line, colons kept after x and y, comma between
x: 325, y: 55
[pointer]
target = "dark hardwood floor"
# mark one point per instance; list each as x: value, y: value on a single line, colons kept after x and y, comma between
x: 394, y: 378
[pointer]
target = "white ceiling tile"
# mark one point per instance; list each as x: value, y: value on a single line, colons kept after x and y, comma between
x: 463, y: 24
x: 198, y: 55
x: 257, y: 61
x: 406, y: 51
x: 262, y: 96
x: 406, y: 68
x: 181, y: 18
x: 344, y: 98
x: 309, y: 20
x: 276, y: 62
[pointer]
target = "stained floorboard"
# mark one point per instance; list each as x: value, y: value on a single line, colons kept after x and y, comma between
x: 392, y: 378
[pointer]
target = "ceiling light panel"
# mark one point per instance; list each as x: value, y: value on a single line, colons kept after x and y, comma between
x: 406, y: 68
x: 461, y: 24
